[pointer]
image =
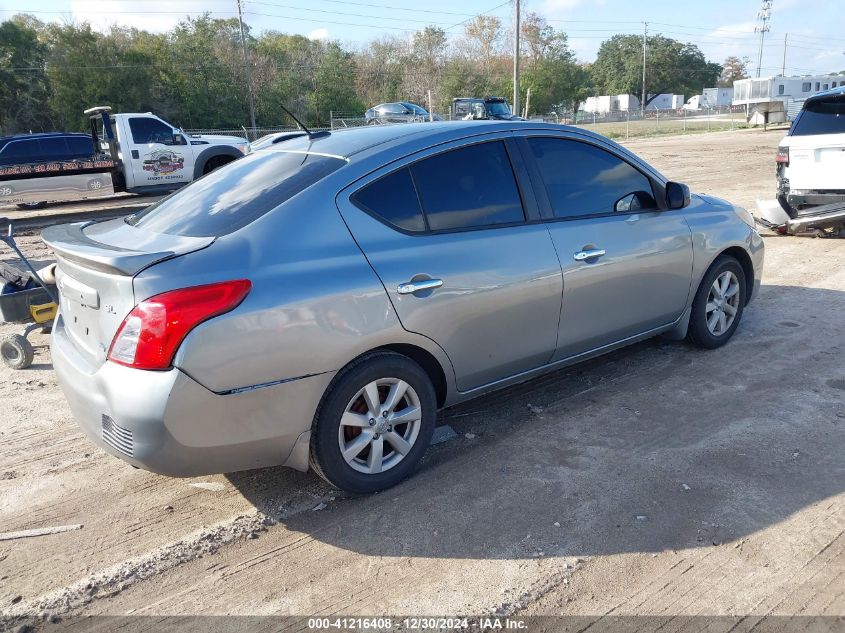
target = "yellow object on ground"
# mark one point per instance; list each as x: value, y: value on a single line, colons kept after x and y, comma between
x: 43, y: 312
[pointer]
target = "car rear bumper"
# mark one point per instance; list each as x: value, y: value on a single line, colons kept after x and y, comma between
x: 167, y: 423
x: 802, y: 201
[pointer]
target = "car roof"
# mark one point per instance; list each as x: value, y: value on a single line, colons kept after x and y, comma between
x: 352, y: 142
x: 37, y: 135
x: 5, y: 140
x: 821, y: 96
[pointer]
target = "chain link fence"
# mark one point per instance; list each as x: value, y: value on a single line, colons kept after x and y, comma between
x: 342, y: 120
x: 250, y: 134
x: 627, y: 124
x: 617, y: 125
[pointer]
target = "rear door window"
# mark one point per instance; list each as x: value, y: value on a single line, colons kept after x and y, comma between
x: 80, y: 147
x: 583, y: 180
x: 468, y: 187
x: 394, y: 200
x: 54, y: 148
x: 822, y: 117
x: 228, y: 199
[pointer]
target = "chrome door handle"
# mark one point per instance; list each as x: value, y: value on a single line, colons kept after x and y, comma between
x: 582, y: 256
x: 416, y: 286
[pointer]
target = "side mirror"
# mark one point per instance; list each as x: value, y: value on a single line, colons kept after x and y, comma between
x: 634, y: 202
x: 677, y: 195
x: 178, y: 139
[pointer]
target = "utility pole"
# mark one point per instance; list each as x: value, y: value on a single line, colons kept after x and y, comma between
x: 516, y: 57
x: 783, y: 71
x: 764, y: 16
x: 246, y: 68
x: 645, y: 48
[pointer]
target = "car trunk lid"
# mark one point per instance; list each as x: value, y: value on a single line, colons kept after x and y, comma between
x: 96, y: 266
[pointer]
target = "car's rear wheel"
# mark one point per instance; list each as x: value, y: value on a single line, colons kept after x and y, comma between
x: 718, y: 305
x: 374, y: 424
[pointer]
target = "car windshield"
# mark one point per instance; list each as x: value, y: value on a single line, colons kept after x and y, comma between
x: 229, y: 198
x: 417, y: 109
x: 498, y: 108
x: 822, y: 117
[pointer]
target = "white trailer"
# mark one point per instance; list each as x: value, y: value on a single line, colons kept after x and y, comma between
x: 768, y: 99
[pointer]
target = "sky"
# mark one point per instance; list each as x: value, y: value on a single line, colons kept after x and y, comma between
x: 815, y: 44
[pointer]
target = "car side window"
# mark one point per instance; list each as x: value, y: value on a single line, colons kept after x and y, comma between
x: 21, y: 151
x: 146, y: 130
x: 468, y: 187
x: 54, y: 148
x: 80, y: 147
x: 394, y: 199
x: 464, y: 188
x: 583, y: 180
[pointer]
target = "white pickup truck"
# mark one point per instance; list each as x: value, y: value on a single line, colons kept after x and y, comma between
x: 138, y: 153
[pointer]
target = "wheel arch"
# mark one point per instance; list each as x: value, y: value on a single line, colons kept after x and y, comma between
x: 744, y: 259
x: 427, y: 361
x: 211, y: 152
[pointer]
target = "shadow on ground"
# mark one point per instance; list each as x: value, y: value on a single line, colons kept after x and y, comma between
x: 659, y: 446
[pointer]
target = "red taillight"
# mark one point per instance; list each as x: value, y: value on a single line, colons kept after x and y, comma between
x: 782, y: 157
x: 150, y: 335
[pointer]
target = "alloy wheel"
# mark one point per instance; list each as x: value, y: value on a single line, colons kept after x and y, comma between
x: 722, y: 303
x: 380, y: 425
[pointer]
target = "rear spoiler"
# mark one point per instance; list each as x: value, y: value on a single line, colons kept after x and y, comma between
x: 70, y: 243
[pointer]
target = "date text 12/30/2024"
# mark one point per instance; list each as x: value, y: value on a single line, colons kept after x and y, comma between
x: 417, y: 624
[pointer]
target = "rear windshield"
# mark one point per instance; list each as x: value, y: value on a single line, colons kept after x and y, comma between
x: 239, y: 193
x: 822, y: 117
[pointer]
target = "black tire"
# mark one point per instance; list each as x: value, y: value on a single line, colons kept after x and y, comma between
x: 215, y: 162
x: 699, y: 333
x: 17, y: 352
x: 326, y: 458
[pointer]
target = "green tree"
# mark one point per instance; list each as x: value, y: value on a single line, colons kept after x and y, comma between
x: 556, y: 79
x: 733, y: 69
x: 24, y: 85
x: 672, y: 67
x: 334, y: 84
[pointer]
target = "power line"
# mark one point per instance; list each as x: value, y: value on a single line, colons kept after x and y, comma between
x: 356, y: 15
x: 373, y: 6
x: 478, y: 15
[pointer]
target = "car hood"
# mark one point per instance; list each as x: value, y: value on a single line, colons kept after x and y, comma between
x: 714, y: 201
x: 214, y: 139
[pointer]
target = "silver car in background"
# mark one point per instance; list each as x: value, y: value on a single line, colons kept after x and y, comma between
x: 399, y: 112
x: 316, y: 302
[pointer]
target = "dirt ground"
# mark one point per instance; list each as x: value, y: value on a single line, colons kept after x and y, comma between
x: 659, y: 480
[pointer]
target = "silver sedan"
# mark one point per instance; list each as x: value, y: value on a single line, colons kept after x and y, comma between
x: 317, y: 302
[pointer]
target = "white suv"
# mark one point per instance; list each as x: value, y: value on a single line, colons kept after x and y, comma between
x: 811, y: 163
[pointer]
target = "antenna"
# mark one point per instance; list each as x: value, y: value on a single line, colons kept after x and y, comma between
x: 308, y: 133
x: 764, y: 16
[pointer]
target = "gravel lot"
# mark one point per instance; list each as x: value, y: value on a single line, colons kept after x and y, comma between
x: 658, y: 480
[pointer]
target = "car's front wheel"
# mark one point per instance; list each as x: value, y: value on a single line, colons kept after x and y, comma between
x: 374, y: 424
x: 718, y: 304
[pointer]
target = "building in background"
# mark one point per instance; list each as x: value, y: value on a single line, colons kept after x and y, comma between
x: 607, y: 104
x: 710, y: 98
x: 777, y: 99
